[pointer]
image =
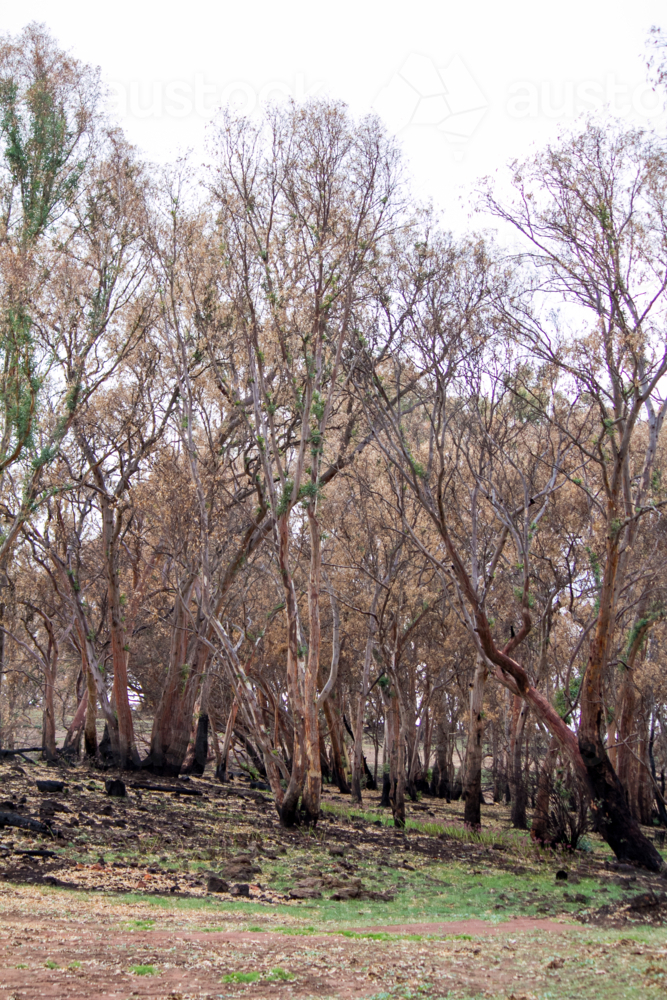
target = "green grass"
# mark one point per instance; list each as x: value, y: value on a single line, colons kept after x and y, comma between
x: 279, y: 974
x: 241, y: 977
x: 141, y: 925
x: 144, y: 970
x: 50, y: 964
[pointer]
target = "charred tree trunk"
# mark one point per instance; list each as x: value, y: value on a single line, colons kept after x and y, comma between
x: 221, y: 772
x: 472, y: 783
x: 397, y: 764
x: 539, y: 830
x: 332, y: 715
x: 518, y: 787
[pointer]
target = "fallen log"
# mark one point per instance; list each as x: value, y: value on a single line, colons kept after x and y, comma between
x: 176, y: 789
x: 23, y: 822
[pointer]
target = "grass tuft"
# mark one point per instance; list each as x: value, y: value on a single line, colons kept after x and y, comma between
x: 241, y: 977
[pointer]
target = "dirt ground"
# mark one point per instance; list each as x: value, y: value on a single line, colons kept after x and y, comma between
x: 114, y: 899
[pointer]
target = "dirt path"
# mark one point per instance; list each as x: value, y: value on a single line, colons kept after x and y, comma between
x: 91, y: 955
x: 479, y: 928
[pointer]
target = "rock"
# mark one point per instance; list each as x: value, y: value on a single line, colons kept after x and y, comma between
x: 645, y: 901
x: 561, y: 875
x: 309, y: 883
x: 216, y: 884
x: 115, y: 787
x: 580, y: 898
x: 337, y: 851
x: 351, y: 889
x: 240, y: 889
x: 47, y: 807
x: 50, y: 786
x: 302, y: 892
x: 241, y: 869
x: 350, y: 893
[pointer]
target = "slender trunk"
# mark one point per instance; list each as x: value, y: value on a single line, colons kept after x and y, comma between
x: 111, y: 527
x: 200, y: 755
x: 289, y: 811
x: 518, y: 787
x: 627, y: 732
x: 397, y: 763
x: 387, y: 749
x: 312, y: 790
x: 644, y: 787
x: 334, y: 724
x: 2, y: 663
x: 440, y: 785
x: 358, y: 759
x: 539, y: 830
x: 49, y: 722
x: 72, y: 739
x: 472, y: 782
x: 221, y: 773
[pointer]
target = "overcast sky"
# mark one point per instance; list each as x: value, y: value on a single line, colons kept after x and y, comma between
x: 466, y: 88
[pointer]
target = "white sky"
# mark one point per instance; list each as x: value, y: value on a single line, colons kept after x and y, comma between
x: 466, y: 87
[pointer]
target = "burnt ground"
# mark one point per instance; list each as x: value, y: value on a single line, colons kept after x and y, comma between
x: 167, y: 894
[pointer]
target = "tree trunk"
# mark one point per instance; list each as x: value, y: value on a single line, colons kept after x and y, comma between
x: 221, y: 773
x: 332, y: 715
x: 312, y: 790
x: 296, y: 669
x: 397, y: 764
x: 472, y: 783
x: 358, y: 759
x: 49, y: 721
x: 539, y: 830
x: 111, y: 527
x: 72, y: 741
x: 518, y: 787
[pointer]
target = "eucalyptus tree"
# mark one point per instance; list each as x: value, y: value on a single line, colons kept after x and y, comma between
x: 592, y: 215
x: 306, y: 201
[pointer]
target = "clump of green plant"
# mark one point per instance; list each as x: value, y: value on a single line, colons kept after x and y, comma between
x: 144, y: 970
x: 279, y: 974
x: 241, y: 977
x: 50, y: 964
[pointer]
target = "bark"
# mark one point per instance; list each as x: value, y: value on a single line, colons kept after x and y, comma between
x: 221, y: 773
x: 125, y: 750
x: 289, y: 811
x: 2, y: 659
x: 440, y: 785
x: 358, y: 759
x: 397, y: 763
x: 312, y: 789
x: 170, y: 737
x: 472, y: 782
x: 539, y: 830
x: 518, y: 786
x: 72, y: 741
x: 334, y: 724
